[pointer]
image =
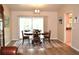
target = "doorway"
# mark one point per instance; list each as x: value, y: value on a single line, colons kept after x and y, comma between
x: 68, y: 28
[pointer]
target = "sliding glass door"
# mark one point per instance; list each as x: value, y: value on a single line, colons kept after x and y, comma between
x: 38, y: 23
x: 30, y: 23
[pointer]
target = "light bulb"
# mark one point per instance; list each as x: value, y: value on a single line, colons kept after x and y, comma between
x: 36, y: 11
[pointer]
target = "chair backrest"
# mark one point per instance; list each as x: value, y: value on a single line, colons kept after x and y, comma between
x: 36, y: 32
x: 24, y: 36
x: 47, y: 34
x: 24, y: 31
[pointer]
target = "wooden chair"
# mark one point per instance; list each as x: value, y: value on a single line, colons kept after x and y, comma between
x: 25, y: 37
x: 47, y: 36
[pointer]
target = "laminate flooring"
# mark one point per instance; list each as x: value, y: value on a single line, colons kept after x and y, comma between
x: 54, y: 48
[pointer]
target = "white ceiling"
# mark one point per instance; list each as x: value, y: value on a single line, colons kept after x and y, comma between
x: 31, y: 7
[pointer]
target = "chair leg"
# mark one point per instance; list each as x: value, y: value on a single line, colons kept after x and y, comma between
x: 33, y: 43
x: 23, y: 42
x: 44, y: 40
x: 49, y: 40
x: 29, y: 41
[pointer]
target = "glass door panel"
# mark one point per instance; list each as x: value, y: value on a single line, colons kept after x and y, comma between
x: 38, y: 23
x: 25, y: 24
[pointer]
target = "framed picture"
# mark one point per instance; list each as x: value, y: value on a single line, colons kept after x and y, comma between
x: 60, y: 20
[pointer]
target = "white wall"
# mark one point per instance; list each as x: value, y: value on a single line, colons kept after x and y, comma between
x: 75, y: 33
x: 75, y: 28
x: 50, y: 22
x: 65, y: 9
x: 7, y: 29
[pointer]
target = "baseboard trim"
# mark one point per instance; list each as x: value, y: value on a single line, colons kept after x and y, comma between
x: 61, y: 41
x: 7, y: 43
x: 71, y: 46
x: 53, y: 38
x: 75, y: 48
x: 14, y: 39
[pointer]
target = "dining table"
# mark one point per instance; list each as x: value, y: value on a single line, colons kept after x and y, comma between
x: 36, y: 37
x: 31, y: 33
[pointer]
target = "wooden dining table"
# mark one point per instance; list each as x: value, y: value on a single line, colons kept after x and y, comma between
x: 35, y: 39
x: 31, y: 33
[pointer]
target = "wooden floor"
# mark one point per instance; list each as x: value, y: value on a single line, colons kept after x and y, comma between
x: 54, y: 48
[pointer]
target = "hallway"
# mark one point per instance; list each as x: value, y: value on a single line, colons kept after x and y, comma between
x: 54, y: 48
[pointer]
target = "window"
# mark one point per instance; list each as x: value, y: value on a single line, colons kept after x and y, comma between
x: 0, y: 24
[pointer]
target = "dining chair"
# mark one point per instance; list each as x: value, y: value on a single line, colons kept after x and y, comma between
x: 47, y: 36
x: 25, y: 37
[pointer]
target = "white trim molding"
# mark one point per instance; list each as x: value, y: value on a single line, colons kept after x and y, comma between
x: 53, y: 38
x: 15, y: 39
x: 61, y: 41
x: 75, y: 48
x: 7, y: 43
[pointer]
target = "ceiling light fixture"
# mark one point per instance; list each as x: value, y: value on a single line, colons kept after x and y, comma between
x: 37, y: 11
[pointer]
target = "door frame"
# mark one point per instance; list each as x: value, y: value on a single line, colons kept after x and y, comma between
x: 65, y: 28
